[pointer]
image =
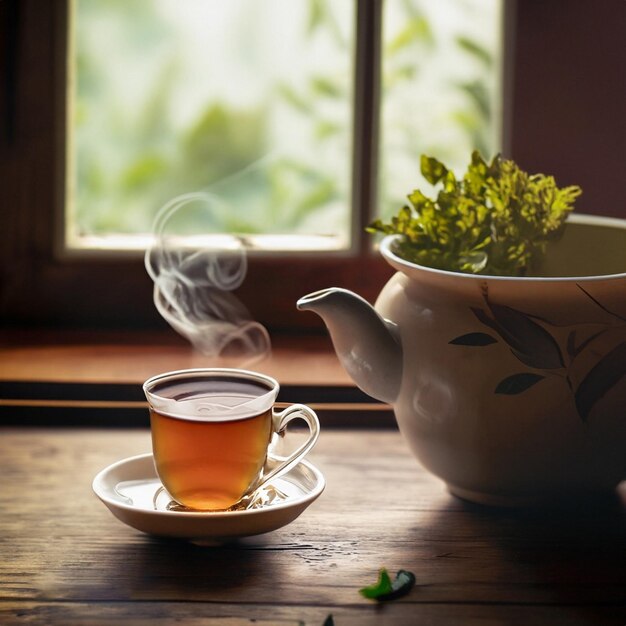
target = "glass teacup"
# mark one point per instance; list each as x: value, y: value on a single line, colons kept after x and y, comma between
x: 211, y: 432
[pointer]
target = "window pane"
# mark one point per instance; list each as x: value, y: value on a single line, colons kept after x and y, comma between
x: 441, y: 93
x: 249, y: 100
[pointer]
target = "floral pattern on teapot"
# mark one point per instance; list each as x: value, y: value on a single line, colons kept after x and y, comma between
x: 533, y: 341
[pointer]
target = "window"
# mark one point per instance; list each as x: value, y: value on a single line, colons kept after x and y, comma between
x: 252, y: 104
x: 550, y: 124
x: 441, y: 89
x: 247, y: 102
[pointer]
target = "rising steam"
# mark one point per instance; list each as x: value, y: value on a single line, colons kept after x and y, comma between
x: 194, y: 281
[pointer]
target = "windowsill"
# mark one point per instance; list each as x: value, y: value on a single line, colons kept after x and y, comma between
x: 130, y: 357
x: 94, y: 378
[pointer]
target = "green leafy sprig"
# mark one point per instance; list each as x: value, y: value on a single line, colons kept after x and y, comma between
x: 495, y: 220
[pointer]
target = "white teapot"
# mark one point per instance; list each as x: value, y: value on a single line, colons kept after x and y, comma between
x: 511, y: 390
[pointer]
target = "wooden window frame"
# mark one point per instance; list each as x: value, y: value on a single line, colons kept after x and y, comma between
x: 564, y: 65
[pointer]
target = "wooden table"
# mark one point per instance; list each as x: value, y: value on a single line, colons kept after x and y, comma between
x: 66, y: 560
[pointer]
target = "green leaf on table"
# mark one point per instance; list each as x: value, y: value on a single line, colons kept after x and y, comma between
x: 385, y: 589
x: 380, y: 588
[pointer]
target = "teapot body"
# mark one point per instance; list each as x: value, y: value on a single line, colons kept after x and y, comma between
x: 513, y: 391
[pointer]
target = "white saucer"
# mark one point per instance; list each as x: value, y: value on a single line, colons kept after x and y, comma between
x: 128, y: 489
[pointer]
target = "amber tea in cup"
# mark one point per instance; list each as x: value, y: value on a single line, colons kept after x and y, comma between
x: 211, y: 431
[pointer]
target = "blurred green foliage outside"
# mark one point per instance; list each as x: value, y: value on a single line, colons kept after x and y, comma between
x: 260, y: 111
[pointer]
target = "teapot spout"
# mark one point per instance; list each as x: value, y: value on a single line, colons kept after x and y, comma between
x: 367, y: 345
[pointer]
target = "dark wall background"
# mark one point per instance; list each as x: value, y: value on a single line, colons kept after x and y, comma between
x: 569, y: 97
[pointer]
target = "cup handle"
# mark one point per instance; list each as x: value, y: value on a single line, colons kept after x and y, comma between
x: 280, y: 421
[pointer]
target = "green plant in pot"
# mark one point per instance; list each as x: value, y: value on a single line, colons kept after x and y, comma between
x: 501, y: 340
x: 496, y: 220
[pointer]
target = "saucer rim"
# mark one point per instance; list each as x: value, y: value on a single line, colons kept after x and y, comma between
x: 308, y: 497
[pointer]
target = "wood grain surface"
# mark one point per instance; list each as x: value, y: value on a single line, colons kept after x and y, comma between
x: 64, y: 559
